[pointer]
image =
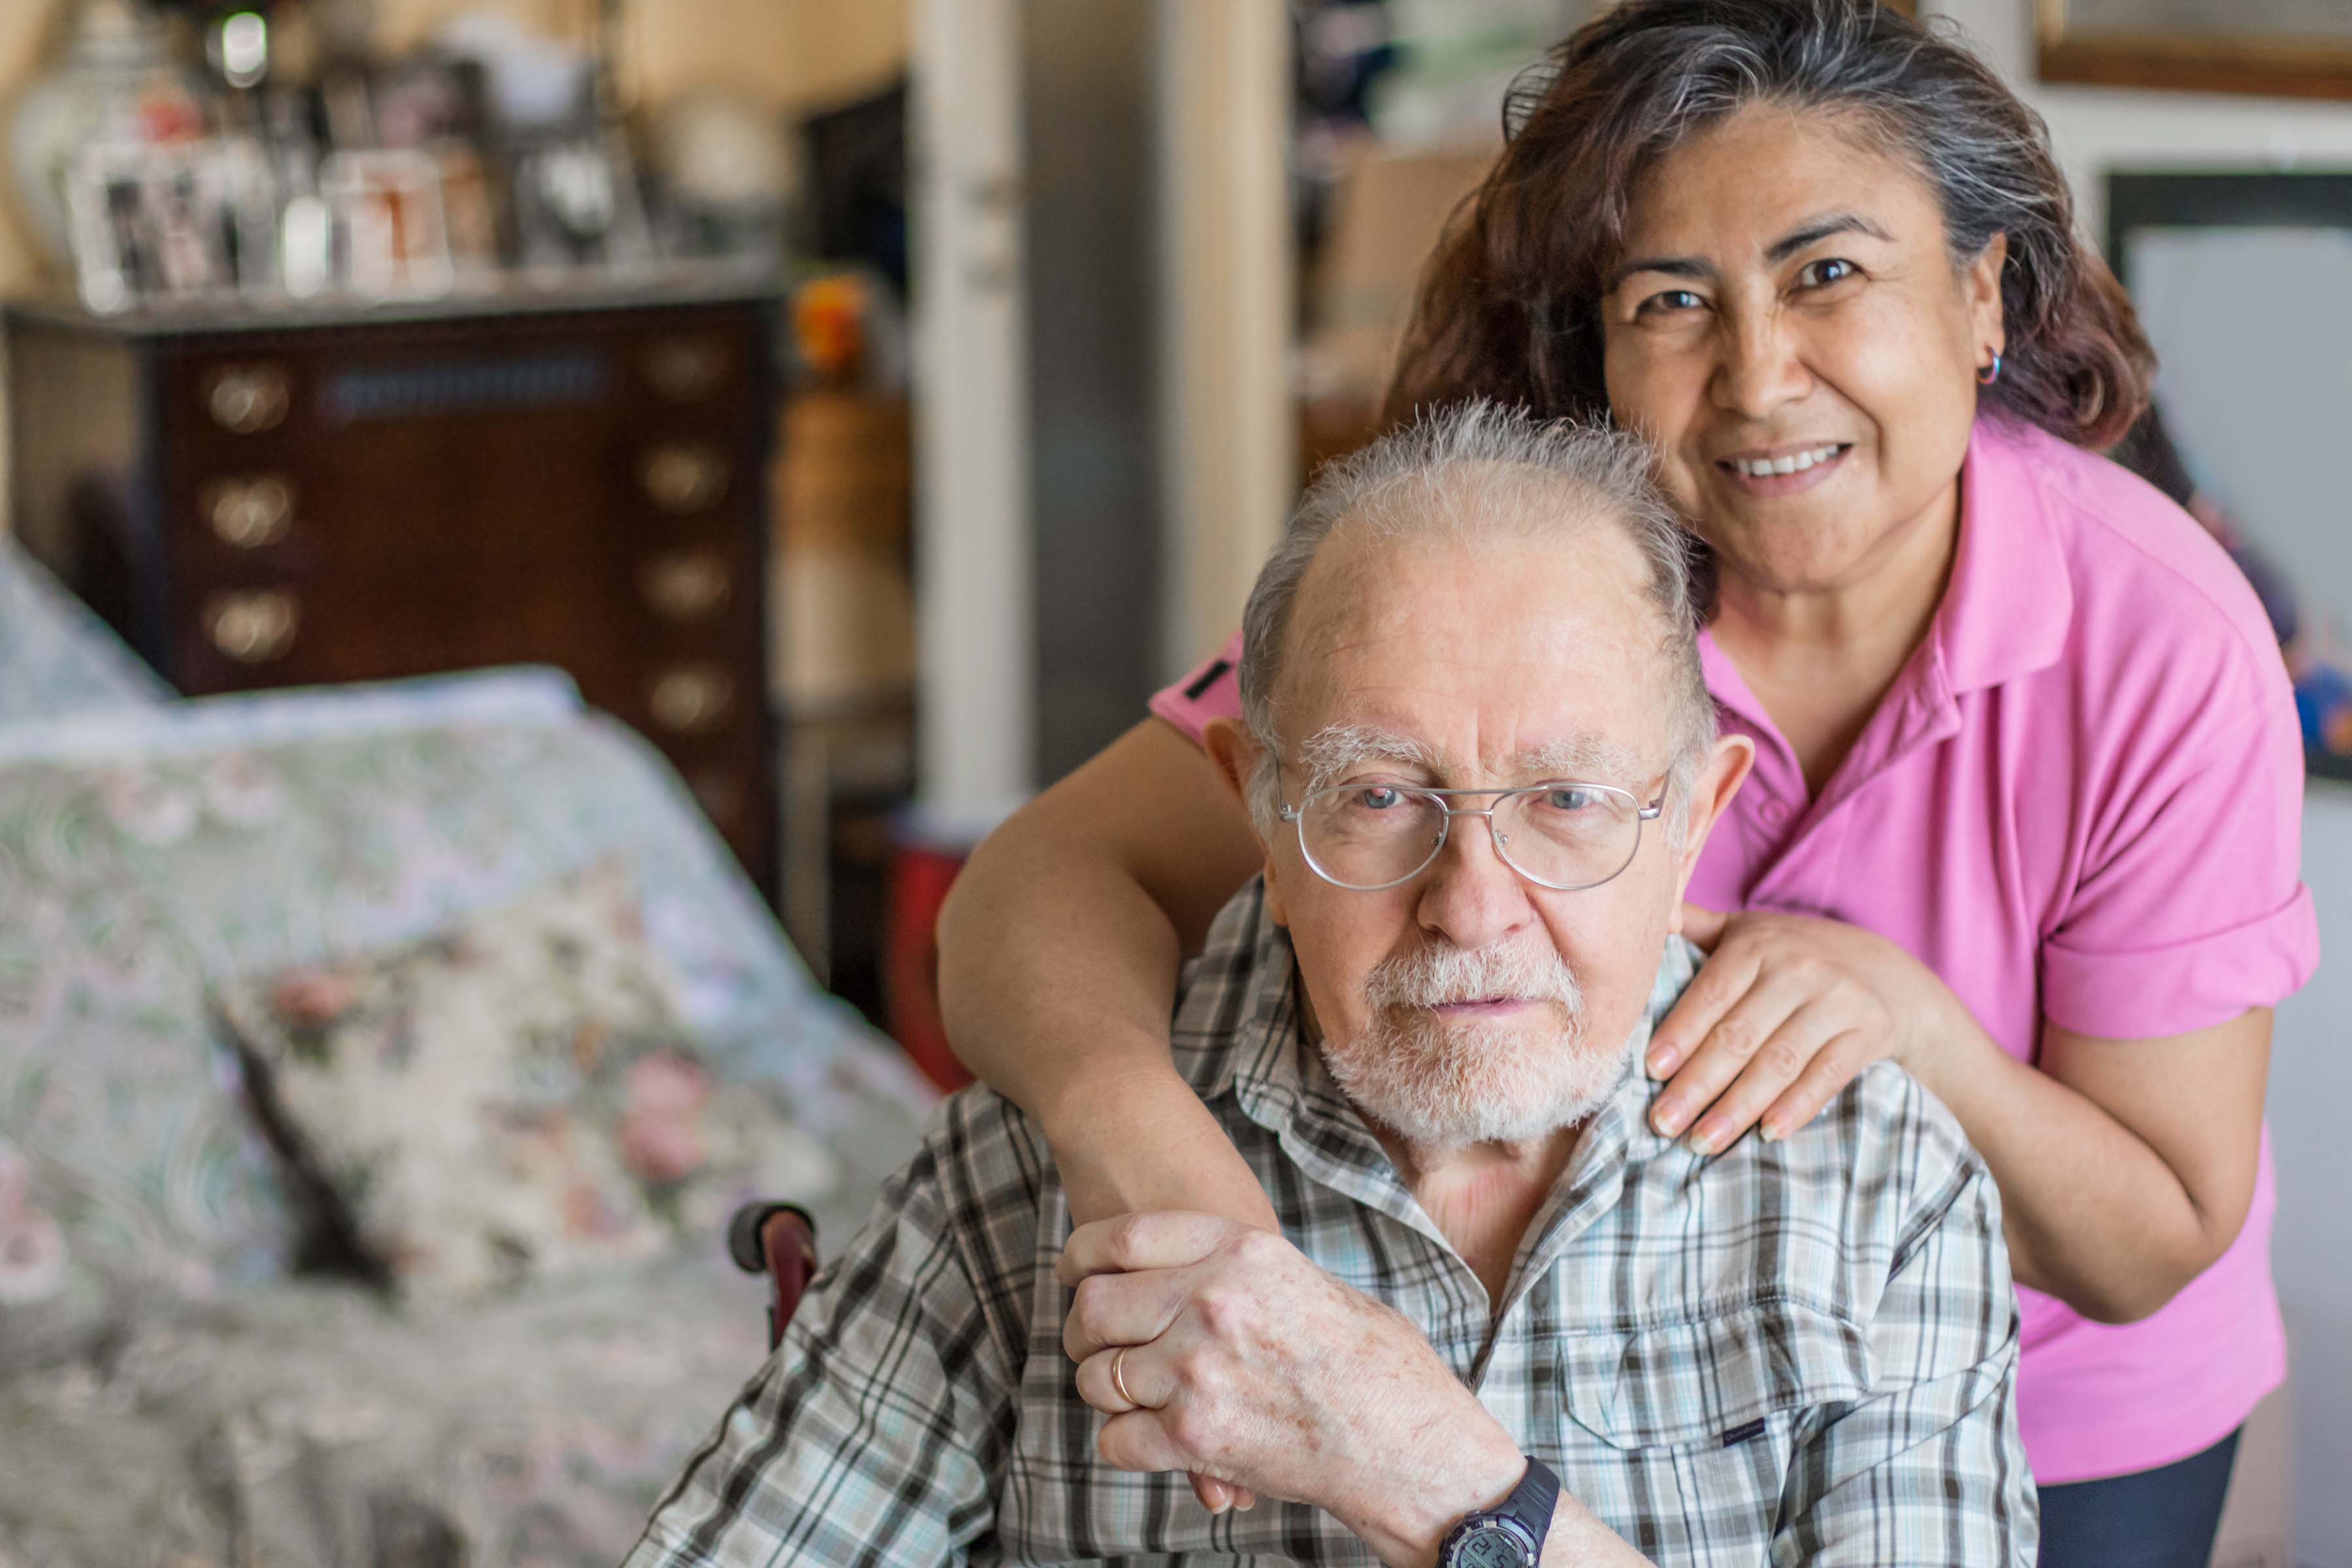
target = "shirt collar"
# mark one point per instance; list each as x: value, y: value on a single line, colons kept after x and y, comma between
x: 1278, y: 1078
x: 2010, y: 607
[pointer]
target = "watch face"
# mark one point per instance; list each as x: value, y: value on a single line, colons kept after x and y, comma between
x: 1489, y: 1545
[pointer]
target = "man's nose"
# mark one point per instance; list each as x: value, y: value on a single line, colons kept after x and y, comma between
x: 1472, y: 897
x: 1757, y: 369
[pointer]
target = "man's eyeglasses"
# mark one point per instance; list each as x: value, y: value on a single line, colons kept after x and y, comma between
x: 1563, y: 835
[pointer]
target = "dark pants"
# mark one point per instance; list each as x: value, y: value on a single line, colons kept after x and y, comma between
x: 2153, y: 1519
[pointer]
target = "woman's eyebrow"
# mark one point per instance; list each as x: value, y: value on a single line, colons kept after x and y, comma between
x: 1691, y: 266
x: 1701, y: 270
x: 1822, y: 229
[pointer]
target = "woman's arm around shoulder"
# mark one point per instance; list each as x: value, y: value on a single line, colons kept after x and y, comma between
x: 1059, y: 949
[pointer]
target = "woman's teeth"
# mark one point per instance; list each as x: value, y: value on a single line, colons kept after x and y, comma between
x: 1795, y: 463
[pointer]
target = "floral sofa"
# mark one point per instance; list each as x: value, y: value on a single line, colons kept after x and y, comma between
x: 172, y: 1392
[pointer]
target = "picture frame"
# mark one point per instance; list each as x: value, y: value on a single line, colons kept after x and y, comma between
x: 2295, y: 49
x: 172, y: 225
x: 2182, y: 242
x: 390, y: 234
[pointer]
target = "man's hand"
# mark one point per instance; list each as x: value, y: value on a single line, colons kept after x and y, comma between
x: 1242, y: 1360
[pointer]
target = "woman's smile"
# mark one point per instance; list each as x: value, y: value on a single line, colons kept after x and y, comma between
x: 1783, y: 471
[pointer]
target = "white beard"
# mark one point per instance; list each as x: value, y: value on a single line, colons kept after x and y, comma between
x: 1449, y: 1084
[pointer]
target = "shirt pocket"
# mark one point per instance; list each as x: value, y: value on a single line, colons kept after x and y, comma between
x: 1680, y: 1434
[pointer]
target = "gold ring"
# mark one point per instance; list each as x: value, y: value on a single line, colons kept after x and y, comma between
x: 1118, y: 1381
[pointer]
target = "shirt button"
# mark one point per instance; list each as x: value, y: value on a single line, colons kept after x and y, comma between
x: 1775, y: 813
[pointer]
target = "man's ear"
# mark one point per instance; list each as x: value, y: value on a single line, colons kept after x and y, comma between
x: 1711, y: 790
x: 1235, y: 752
x: 1230, y: 747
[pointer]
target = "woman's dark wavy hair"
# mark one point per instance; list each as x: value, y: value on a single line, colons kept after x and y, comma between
x: 1508, y: 307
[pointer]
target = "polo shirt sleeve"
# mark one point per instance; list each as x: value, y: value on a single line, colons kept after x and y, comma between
x: 2190, y: 907
x: 1213, y: 691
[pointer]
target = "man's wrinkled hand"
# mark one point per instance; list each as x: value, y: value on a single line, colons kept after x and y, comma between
x: 1220, y: 1348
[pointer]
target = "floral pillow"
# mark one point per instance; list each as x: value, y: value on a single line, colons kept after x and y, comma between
x: 512, y: 1097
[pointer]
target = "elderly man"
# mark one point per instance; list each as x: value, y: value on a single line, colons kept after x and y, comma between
x: 1505, y: 1323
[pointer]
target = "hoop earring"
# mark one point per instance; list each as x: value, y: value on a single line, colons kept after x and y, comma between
x: 1988, y: 373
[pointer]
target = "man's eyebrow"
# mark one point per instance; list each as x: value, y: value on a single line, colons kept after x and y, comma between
x: 1701, y: 270
x: 1822, y: 229
x: 1336, y: 748
x: 1587, y: 758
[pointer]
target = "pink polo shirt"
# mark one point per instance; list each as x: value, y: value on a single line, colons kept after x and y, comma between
x: 2081, y: 800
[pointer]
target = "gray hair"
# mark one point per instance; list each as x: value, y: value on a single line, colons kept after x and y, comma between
x: 1473, y: 472
x: 1510, y: 305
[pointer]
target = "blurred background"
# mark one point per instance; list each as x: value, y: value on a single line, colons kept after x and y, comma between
x: 868, y: 404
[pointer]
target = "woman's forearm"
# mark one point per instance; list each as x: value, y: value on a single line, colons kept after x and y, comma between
x: 1059, y: 948
x: 2094, y: 1215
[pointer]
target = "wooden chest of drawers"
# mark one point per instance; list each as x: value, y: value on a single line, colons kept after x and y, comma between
x: 302, y: 500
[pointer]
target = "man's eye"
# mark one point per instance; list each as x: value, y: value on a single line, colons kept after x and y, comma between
x: 1821, y: 274
x: 1377, y: 797
x: 1568, y: 798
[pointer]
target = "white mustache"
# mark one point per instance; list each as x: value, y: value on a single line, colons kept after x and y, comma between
x: 1440, y: 974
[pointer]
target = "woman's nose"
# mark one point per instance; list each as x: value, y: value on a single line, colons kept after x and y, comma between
x: 1757, y: 369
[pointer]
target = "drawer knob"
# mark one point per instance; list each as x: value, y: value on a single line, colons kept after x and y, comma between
x: 252, y: 629
x: 686, y: 370
x: 250, y: 514
x: 246, y: 400
x: 684, y: 477
x: 688, y: 588
x: 694, y: 699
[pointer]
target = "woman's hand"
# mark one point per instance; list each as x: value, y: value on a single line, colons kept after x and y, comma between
x: 1783, y: 1014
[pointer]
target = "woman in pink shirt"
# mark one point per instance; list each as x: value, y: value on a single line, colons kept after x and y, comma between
x: 2025, y: 809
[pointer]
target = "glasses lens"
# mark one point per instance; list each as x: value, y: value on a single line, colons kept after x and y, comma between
x: 1568, y: 834
x: 1368, y: 836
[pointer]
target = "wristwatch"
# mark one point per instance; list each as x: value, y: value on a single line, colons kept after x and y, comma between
x: 1510, y: 1536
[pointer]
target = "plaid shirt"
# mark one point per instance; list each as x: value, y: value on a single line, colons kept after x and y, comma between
x: 1794, y: 1353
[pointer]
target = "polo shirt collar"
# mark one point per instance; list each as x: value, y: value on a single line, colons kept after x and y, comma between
x: 2010, y: 607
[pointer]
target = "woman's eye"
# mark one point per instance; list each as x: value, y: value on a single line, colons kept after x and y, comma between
x: 1830, y: 270
x: 1671, y: 300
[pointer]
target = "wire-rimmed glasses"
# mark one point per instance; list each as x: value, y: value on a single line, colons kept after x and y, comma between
x: 1563, y: 833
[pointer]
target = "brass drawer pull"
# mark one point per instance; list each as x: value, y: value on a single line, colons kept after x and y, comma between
x: 686, y: 370
x: 249, y: 514
x: 694, y: 699
x: 686, y: 478
x: 246, y: 400
x: 252, y: 629
x: 687, y: 588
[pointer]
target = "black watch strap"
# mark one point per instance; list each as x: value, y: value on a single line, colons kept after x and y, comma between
x: 1531, y: 1502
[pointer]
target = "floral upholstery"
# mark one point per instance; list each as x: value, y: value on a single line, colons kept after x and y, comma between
x: 513, y: 1096
x: 168, y: 1395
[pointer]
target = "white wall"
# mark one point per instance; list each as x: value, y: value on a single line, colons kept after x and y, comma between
x: 2311, y: 1087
